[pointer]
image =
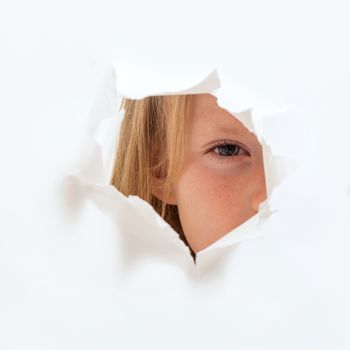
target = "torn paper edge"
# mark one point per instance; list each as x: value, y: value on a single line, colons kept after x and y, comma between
x: 246, y: 107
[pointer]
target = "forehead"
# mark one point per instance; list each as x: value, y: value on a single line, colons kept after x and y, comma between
x: 205, y: 113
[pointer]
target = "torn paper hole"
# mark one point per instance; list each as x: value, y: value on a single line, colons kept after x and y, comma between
x: 145, y: 233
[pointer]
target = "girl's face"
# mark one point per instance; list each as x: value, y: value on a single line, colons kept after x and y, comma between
x: 222, y: 181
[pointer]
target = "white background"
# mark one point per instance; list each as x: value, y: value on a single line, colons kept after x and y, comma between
x: 61, y: 283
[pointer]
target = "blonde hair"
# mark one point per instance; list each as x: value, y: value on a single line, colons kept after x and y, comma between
x: 151, y: 146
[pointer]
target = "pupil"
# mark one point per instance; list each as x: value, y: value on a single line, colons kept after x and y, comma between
x: 229, y: 150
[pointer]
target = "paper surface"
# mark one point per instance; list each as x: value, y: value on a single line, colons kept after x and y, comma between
x: 83, y: 267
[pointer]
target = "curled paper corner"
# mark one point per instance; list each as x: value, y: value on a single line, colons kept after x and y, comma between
x: 140, y: 235
x: 95, y: 155
x: 210, y: 83
x: 139, y: 82
x: 144, y: 234
x: 92, y: 161
x: 217, y: 250
x: 155, y: 235
x: 104, y: 103
x: 265, y: 212
x: 277, y: 168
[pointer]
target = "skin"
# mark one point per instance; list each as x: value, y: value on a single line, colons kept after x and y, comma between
x: 220, y: 187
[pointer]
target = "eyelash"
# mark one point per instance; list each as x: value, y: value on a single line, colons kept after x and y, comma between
x: 226, y: 143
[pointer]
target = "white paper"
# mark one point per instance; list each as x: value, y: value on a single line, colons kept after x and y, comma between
x: 83, y: 267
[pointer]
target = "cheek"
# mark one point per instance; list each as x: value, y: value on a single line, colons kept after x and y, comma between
x: 212, y: 202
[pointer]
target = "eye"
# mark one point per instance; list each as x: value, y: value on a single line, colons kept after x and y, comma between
x: 228, y: 149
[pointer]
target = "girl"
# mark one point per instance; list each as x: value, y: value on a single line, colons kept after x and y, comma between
x: 194, y: 162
